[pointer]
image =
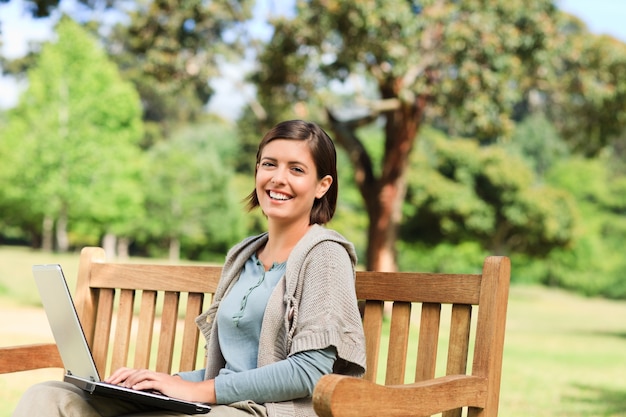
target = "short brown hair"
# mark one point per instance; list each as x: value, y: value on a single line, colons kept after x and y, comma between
x: 324, y: 156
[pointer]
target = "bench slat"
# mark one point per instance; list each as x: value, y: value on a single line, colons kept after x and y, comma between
x: 123, y: 326
x: 400, y: 286
x: 145, y: 329
x: 428, y: 341
x: 174, y: 278
x: 398, y: 343
x: 104, y: 315
x: 29, y: 357
x: 169, y: 319
x: 459, y: 339
x: 372, y: 327
x: 191, y: 337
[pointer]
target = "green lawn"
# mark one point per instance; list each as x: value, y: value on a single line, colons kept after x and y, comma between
x: 565, y: 355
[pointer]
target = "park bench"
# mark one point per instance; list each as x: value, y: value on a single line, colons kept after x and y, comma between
x: 463, y: 314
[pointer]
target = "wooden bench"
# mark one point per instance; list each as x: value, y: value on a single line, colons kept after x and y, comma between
x: 409, y: 320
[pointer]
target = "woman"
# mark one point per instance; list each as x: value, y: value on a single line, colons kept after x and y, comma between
x: 285, y: 311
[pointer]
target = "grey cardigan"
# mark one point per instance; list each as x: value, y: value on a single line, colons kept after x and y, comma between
x: 312, y: 307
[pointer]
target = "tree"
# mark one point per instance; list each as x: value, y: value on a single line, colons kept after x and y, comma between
x: 190, y: 198
x: 72, y: 141
x: 170, y: 50
x: 459, y: 65
x: 462, y: 192
x: 588, y: 103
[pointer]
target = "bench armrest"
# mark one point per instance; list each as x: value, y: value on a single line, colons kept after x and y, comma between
x: 29, y: 357
x: 340, y: 395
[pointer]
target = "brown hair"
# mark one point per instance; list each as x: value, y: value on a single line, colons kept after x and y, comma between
x: 323, y: 154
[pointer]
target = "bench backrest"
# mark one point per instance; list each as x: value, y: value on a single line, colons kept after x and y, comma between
x: 470, y: 307
x: 134, y: 312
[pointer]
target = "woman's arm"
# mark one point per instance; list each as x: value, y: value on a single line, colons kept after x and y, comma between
x: 294, y: 377
x: 288, y: 379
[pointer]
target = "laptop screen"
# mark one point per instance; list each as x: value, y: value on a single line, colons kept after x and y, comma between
x: 64, y: 323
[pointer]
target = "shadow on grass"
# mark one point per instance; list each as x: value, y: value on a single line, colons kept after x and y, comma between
x: 610, y: 334
x: 605, y: 401
x: 620, y: 335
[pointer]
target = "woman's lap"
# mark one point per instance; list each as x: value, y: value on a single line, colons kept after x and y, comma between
x: 57, y: 399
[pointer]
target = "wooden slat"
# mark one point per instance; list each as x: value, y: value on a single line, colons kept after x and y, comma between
x: 100, y: 347
x: 189, y: 352
x: 123, y: 326
x: 460, y: 325
x: 398, y: 343
x: 28, y: 357
x: 491, y: 323
x: 85, y: 297
x: 401, y: 286
x: 145, y: 329
x: 428, y: 341
x: 458, y: 347
x: 169, y: 317
x: 172, y: 278
x: 372, y: 326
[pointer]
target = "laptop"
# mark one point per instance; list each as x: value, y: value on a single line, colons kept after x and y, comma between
x: 80, y: 368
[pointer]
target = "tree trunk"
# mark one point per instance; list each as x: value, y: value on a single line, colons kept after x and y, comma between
x: 47, y: 240
x: 383, y: 196
x: 123, y: 244
x: 63, y: 240
x: 174, y: 255
x: 109, y: 242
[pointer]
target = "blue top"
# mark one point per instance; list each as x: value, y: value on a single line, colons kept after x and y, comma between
x: 239, y: 319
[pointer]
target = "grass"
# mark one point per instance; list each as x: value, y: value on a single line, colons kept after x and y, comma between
x: 564, y: 354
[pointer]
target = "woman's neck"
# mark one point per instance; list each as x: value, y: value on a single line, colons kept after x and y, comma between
x: 281, y: 241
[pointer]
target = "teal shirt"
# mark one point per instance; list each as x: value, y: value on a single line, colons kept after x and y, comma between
x: 239, y: 319
x: 241, y: 312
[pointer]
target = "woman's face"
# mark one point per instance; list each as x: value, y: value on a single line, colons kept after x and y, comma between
x: 286, y: 181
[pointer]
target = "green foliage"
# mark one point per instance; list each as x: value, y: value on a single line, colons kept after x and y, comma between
x: 471, y: 61
x: 461, y: 66
x: 464, y: 192
x: 595, y: 264
x: 588, y: 101
x: 189, y: 196
x: 72, y: 139
x: 170, y: 49
x: 444, y: 257
x: 537, y: 141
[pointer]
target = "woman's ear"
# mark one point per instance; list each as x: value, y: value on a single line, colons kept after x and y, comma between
x: 323, y: 186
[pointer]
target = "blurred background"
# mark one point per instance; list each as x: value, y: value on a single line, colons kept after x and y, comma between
x: 463, y: 129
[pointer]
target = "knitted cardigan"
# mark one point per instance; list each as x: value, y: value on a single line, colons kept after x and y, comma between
x: 312, y: 307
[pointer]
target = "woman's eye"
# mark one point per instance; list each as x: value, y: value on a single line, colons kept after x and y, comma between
x: 298, y: 170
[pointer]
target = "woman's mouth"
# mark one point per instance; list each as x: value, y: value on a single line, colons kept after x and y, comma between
x: 274, y: 195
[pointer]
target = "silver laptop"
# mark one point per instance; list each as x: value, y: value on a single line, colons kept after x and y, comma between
x: 80, y: 368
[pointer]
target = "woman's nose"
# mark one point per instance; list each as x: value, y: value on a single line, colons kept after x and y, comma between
x: 279, y: 177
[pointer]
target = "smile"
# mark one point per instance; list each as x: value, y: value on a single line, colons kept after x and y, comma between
x: 278, y: 196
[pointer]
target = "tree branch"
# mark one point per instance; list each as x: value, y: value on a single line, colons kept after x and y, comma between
x: 346, y: 137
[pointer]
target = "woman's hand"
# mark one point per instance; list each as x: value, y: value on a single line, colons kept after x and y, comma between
x: 170, y: 385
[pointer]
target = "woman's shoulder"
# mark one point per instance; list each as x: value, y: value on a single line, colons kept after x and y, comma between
x: 320, y: 238
x: 321, y: 233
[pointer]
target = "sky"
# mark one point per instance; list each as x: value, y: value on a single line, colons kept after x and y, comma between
x: 600, y: 16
